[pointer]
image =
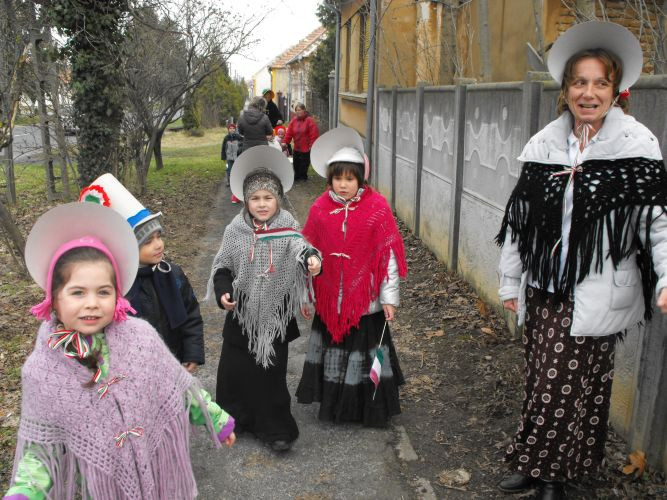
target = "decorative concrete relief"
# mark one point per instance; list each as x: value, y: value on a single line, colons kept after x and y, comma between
x: 406, y: 126
x: 439, y: 135
x: 485, y: 139
x: 385, y: 118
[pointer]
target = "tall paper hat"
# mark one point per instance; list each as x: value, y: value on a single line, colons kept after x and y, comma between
x: 108, y: 191
x: 261, y: 157
x: 75, y: 225
x: 598, y: 35
x: 338, y: 144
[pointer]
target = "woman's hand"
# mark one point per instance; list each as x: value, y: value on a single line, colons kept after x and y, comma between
x: 307, y: 311
x: 190, y: 366
x: 662, y: 300
x: 227, y: 302
x: 314, y: 265
x: 511, y: 305
x: 389, y: 312
x: 231, y: 439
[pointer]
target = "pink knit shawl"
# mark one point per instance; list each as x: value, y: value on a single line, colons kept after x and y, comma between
x: 74, y: 428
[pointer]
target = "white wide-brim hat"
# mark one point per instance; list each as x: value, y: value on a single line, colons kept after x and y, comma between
x: 598, y: 35
x: 71, y: 221
x: 336, y: 145
x: 256, y: 157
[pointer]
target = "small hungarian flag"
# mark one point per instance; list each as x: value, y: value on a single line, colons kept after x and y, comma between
x: 376, y: 368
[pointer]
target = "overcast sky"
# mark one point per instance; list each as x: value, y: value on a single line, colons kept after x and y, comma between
x: 288, y: 22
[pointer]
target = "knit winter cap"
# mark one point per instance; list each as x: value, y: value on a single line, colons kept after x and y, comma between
x: 262, y: 178
x: 144, y: 231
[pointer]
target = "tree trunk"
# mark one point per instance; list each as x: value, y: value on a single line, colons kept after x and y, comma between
x: 9, y: 174
x: 157, y: 150
x: 17, y: 247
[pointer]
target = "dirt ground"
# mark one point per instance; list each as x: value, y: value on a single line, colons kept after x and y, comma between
x: 464, y: 373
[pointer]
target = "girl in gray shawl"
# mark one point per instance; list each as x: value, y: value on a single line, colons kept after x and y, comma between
x: 261, y: 277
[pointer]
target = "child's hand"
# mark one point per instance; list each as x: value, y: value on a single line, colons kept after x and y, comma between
x: 227, y: 302
x: 389, y: 312
x: 231, y: 439
x: 662, y: 300
x: 190, y: 366
x: 307, y: 311
x: 314, y: 265
x: 513, y: 305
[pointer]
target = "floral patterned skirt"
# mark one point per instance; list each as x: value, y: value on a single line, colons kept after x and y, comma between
x: 563, y: 424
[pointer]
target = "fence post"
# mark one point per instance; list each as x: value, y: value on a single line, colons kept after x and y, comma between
x: 420, y: 155
x: 457, y: 181
x: 375, y: 141
x: 394, y: 112
x: 332, y: 91
x: 648, y: 430
x: 531, y: 92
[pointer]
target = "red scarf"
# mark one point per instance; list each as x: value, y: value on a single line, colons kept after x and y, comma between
x: 361, y: 256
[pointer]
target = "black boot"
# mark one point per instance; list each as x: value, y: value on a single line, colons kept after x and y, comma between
x: 515, y: 483
x: 552, y: 490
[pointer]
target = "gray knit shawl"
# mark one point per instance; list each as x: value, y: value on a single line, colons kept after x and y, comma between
x: 265, y: 301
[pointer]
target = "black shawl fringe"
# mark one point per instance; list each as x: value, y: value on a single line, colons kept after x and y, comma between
x: 610, y: 199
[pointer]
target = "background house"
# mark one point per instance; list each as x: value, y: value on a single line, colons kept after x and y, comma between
x: 289, y: 72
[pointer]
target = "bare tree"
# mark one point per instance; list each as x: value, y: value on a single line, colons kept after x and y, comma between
x: 171, y: 49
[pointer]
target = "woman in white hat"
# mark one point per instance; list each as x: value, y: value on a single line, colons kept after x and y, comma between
x: 584, y: 242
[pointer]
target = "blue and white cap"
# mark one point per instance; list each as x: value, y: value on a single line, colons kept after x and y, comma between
x: 108, y: 191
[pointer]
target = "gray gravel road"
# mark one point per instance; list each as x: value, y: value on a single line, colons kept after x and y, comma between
x: 326, y: 462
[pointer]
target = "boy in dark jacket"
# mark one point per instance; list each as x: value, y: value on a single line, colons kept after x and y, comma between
x: 161, y: 293
x: 231, y: 148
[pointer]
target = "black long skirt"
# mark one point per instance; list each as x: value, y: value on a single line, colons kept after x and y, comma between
x: 563, y: 424
x: 337, y: 375
x: 256, y: 397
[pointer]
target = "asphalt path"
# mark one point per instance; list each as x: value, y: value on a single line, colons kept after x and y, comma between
x: 327, y: 461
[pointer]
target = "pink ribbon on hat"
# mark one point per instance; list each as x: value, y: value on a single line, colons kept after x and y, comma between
x: 43, y: 309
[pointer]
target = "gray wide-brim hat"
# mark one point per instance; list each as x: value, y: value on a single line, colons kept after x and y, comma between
x: 598, y: 35
x: 326, y: 147
x: 71, y: 221
x: 261, y: 157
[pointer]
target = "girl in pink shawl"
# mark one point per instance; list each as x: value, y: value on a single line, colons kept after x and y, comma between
x: 106, y: 407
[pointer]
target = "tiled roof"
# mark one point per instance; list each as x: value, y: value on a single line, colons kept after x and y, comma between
x: 282, y: 60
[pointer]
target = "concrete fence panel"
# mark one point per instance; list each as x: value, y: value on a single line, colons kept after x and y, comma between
x: 493, y: 140
x: 438, y: 169
x: 406, y: 156
x: 385, y: 130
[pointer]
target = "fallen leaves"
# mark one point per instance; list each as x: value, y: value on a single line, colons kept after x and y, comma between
x: 637, y: 465
x: 436, y: 333
x: 454, y: 478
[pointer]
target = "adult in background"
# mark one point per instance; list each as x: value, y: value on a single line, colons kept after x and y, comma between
x: 271, y: 108
x: 254, y: 125
x: 303, y: 130
x: 584, y: 242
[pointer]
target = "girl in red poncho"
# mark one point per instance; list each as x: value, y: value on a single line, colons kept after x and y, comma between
x: 356, y: 293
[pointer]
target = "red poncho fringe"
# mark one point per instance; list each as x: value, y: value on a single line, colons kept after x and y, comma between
x: 371, y: 236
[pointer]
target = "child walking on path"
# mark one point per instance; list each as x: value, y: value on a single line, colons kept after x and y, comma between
x: 231, y: 148
x: 161, y: 293
x: 105, y: 407
x: 357, y: 292
x: 260, y: 276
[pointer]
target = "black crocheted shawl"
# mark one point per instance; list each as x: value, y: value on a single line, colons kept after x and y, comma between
x: 610, y: 199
